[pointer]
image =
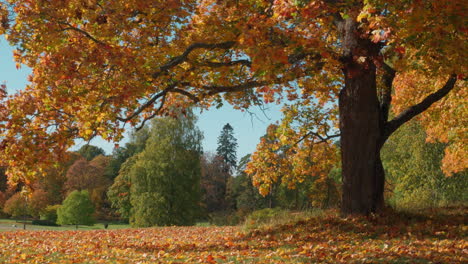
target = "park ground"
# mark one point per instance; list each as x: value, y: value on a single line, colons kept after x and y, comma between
x: 432, y: 237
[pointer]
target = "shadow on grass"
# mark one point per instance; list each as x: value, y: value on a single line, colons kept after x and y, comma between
x: 387, y: 238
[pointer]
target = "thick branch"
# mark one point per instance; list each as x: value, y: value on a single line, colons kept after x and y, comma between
x: 188, y: 94
x: 182, y: 58
x: 148, y: 103
x: 415, y: 110
x: 212, y: 90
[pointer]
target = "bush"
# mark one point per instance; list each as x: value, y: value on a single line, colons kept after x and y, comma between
x: 43, y: 223
x: 77, y: 209
x: 50, y: 213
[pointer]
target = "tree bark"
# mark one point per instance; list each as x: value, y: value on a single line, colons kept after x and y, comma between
x: 360, y: 134
x: 361, y: 125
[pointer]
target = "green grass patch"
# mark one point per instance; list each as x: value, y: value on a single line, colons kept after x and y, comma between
x: 271, y: 217
x: 11, y: 225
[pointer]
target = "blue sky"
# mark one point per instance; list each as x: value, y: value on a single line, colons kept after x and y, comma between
x: 247, y: 128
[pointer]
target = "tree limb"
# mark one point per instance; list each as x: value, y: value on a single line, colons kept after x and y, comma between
x: 70, y: 27
x: 163, y: 101
x: 215, y: 89
x: 223, y: 64
x: 312, y: 133
x: 415, y: 110
x: 186, y: 93
x: 149, y: 102
x: 183, y: 57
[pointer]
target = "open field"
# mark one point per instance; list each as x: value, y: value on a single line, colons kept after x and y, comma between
x: 321, y: 239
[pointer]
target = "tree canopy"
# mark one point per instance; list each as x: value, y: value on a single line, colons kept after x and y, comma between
x: 98, y: 65
x: 89, y: 152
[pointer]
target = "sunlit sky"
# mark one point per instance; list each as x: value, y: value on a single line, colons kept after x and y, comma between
x: 248, y: 128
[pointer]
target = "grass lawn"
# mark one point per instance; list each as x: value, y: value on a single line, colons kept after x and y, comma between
x: 324, y: 238
x: 8, y: 225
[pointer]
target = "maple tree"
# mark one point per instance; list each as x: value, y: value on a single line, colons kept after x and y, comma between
x: 55, y: 178
x: 294, y: 151
x: 100, y: 64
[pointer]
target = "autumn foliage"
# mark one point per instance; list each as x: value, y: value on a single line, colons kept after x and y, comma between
x: 297, y: 149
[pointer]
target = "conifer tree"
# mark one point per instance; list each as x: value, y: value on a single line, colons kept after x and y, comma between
x: 227, y: 147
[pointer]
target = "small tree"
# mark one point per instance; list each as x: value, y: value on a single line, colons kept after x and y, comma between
x: 38, y: 202
x: 77, y: 209
x: 16, y: 206
x: 90, y: 175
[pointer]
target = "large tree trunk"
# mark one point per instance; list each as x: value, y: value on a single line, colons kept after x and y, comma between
x: 360, y: 135
x: 361, y: 126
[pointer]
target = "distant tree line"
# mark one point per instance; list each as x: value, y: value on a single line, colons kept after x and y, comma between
x: 163, y: 177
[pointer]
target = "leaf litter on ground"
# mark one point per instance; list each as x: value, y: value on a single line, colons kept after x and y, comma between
x: 327, y: 238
